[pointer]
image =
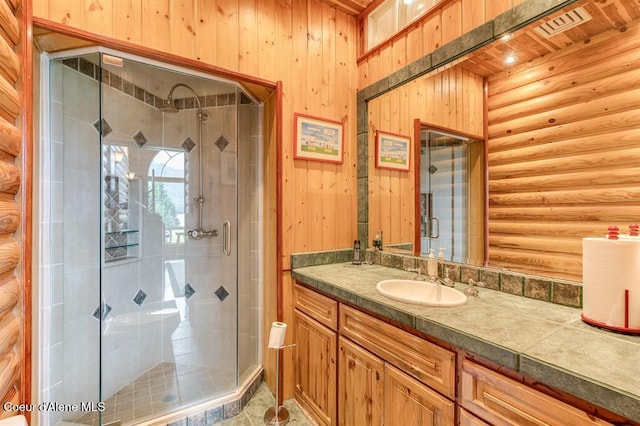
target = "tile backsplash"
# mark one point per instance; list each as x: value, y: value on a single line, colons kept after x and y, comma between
x: 562, y: 292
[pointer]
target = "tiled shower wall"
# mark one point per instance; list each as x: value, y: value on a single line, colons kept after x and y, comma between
x: 70, y: 314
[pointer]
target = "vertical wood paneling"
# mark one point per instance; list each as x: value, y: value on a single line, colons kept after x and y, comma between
x: 155, y: 23
x: 206, y: 31
x: 182, y: 15
x: 247, y: 36
x: 451, y: 21
x: 227, y: 47
x: 433, y: 99
x: 568, y: 167
x: 98, y: 15
x: 129, y: 14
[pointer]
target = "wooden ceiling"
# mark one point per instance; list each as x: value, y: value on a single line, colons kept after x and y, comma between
x: 352, y: 7
x: 610, y: 16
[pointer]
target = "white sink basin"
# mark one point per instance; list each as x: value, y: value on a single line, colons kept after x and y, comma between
x: 421, y: 293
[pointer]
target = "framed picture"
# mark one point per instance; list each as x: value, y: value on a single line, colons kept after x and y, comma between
x: 317, y: 139
x: 392, y: 151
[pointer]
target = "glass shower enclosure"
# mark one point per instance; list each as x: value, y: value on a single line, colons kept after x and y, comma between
x: 150, y: 245
x: 444, y: 194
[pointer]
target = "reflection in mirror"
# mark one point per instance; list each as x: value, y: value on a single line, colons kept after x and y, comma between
x: 559, y: 114
x: 449, y: 181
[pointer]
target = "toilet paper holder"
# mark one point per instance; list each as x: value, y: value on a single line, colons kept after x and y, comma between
x: 277, y: 415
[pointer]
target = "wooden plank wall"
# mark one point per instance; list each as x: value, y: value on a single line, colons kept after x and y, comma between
x: 448, y: 20
x: 451, y: 98
x: 306, y: 44
x: 11, y: 284
x: 564, y: 153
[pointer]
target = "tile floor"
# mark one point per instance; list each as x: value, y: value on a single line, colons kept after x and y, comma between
x: 253, y: 413
x: 159, y: 391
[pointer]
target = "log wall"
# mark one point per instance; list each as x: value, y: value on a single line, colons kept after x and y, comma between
x: 450, y: 98
x: 564, y: 153
x: 12, y: 281
x: 445, y: 22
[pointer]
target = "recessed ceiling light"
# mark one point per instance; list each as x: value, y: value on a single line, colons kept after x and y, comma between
x: 510, y: 59
x: 506, y: 37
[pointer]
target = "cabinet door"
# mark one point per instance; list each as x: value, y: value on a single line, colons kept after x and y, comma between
x: 360, y: 386
x: 315, y: 369
x: 409, y: 402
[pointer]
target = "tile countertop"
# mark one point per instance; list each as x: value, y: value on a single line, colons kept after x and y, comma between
x: 544, y: 341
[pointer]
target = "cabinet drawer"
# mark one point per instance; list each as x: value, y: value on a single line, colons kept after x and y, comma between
x: 503, y: 401
x: 429, y: 363
x: 468, y: 419
x: 317, y: 306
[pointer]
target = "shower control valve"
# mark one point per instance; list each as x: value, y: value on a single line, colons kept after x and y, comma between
x: 198, y: 234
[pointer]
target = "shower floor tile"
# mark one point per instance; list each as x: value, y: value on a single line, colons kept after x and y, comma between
x: 164, y: 388
x: 168, y: 386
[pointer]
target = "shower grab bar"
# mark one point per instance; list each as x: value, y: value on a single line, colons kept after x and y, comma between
x: 226, y: 232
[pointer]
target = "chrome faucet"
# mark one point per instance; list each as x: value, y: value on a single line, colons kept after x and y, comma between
x: 419, y: 277
x: 446, y: 280
x: 472, y: 290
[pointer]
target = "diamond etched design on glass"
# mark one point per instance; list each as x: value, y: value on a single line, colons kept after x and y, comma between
x: 139, y: 139
x: 102, y: 124
x: 432, y: 169
x: 222, y: 293
x: 188, y: 291
x: 222, y: 143
x: 139, y: 297
x: 188, y: 144
x: 104, y: 308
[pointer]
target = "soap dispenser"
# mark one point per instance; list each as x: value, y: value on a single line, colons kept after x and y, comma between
x: 357, y: 260
x: 432, y: 265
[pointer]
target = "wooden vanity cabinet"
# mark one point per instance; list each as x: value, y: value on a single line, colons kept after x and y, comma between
x: 378, y: 370
x: 502, y: 401
x: 355, y: 370
x: 316, y: 354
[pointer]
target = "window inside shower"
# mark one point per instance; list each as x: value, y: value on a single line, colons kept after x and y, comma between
x: 150, y: 244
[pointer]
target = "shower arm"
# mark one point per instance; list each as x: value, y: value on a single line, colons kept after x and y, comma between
x: 198, y: 232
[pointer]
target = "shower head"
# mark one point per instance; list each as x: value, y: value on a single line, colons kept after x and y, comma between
x: 168, y: 105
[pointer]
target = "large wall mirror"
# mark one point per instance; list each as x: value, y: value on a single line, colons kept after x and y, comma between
x: 557, y: 110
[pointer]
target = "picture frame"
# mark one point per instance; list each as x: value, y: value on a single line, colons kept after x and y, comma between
x: 318, y: 139
x: 393, y: 151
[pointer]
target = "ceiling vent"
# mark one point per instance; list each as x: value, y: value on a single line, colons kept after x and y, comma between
x: 563, y: 22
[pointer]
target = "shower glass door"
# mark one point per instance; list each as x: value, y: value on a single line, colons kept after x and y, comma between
x: 170, y: 238
x: 444, y: 194
x: 144, y: 167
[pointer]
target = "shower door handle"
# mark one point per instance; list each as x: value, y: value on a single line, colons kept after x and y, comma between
x: 434, y: 220
x: 226, y: 233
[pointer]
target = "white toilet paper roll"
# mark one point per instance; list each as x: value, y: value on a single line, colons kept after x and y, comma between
x: 277, y: 334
